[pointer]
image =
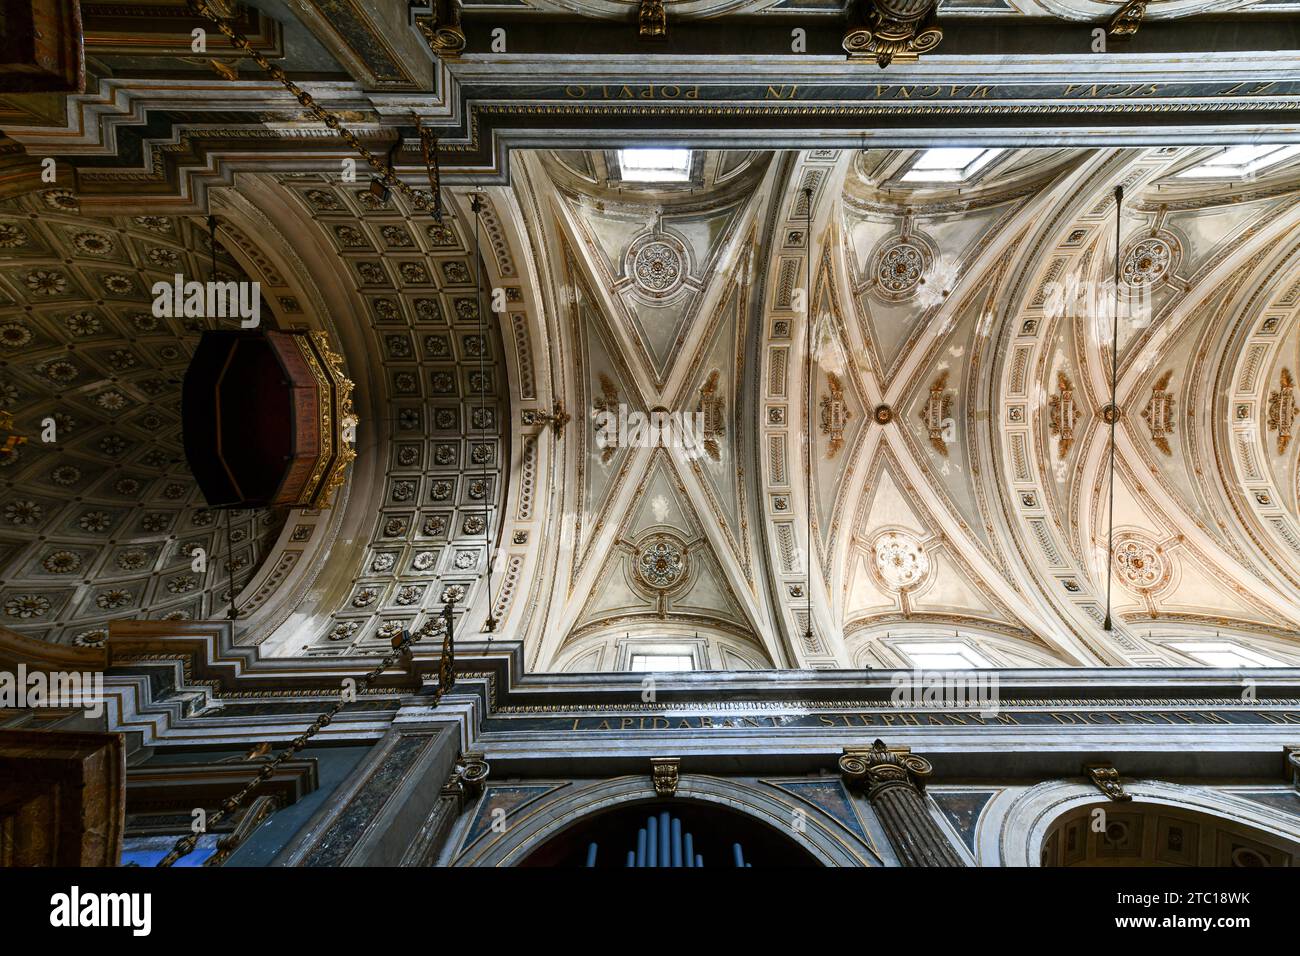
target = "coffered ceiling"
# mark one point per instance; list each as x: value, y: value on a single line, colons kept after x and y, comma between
x: 101, y: 520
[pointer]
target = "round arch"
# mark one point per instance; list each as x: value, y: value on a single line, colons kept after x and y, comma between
x: 1016, y: 824
x: 822, y: 838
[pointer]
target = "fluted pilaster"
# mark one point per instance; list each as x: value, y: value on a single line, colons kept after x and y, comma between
x: 894, y: 780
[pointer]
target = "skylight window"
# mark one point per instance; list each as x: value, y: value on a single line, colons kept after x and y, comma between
x: 1236, y: 162
x: 655, y: 165
x: 949, y: 165
x: 662, y: 662
x: 1225, y: 654
x: 949, y: 655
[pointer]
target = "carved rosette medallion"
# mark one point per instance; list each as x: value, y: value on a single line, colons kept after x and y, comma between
x: 1282, y: 410
x: 1150, y: 261
x: 1140, y: 564
x: 658, y: 265
x: 900, y: 560
x: 661, y: 564
x: 835, y: 414
x: 899, y: 265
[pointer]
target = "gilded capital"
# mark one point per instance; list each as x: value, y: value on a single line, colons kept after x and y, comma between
x: 879, y: 767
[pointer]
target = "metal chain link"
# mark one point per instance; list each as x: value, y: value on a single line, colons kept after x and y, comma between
x: 428, y: 202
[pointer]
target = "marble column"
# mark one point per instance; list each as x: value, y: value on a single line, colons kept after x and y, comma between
x: 894, y: 779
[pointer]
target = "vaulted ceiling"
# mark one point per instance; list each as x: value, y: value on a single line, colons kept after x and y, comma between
x: 952, y: 406
x: 959, y: 375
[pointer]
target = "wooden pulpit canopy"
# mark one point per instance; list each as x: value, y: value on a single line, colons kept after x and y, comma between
x: 267, y: 419
x: 41, y: 47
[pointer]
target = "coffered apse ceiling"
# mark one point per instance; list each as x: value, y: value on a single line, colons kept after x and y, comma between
x: 956, y: 388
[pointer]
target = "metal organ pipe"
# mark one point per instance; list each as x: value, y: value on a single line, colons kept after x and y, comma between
x: 663, y: 842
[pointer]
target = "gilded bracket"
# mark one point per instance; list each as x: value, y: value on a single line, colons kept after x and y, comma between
x: 1124, y: 24
x: 665, y: 773
x: 557, y: 418
x: 1107, y: 780
x: 651, y: 20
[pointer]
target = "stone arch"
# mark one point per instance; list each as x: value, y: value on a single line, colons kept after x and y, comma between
x: 1016, y: 824
x: 824, y: 838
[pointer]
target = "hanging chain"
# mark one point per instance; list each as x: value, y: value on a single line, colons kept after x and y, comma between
x: 476, y: 207
x: 808, y: 318
x: 422, y: 200
x: 1108, y: 624
x: 401, y: 648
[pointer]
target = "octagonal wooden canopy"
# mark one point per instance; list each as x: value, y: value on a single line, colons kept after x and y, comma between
x: 265, y: 417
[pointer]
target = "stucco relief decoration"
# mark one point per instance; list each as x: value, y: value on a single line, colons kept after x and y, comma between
x: 835, y: 415
x: 1150, y: 261
x: 1064, y: 415
x: 711, y: 408
x: 606, y: 401
x: 899, y: 266
x: 658, y: 264
x: 935, y: 412
x: 1159, y: 413
x: 661, y: 563
x: 1140, y: 564
x: 900, y: 560
x: 1282, y: 410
